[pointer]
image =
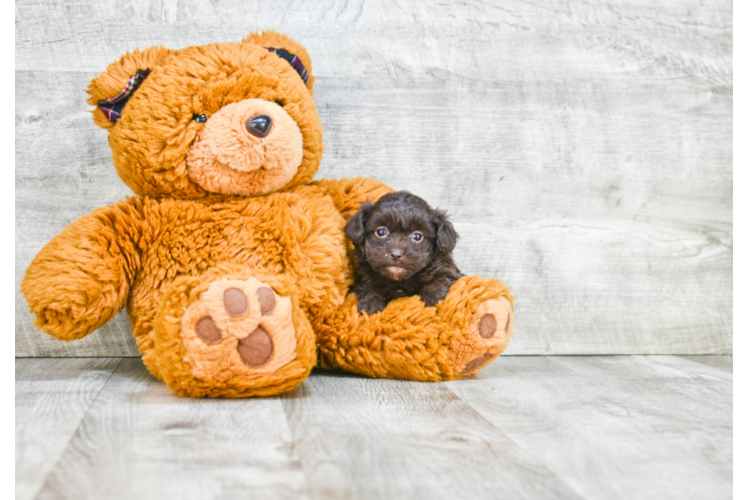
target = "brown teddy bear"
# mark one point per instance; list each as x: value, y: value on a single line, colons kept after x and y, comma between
x: 233, y: 265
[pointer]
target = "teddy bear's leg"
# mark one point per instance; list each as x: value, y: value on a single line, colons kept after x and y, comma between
x: 232, y: 333
x: 408, y: 340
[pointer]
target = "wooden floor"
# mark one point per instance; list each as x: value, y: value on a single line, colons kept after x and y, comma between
x: 525, y: 427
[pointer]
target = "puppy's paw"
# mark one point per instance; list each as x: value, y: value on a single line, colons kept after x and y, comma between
x: 371, y: 304
x: 431, y: 298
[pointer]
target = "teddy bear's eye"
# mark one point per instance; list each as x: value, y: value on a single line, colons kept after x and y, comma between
x: 416, y: 236
x: 200, y: 118
x: 381, y: 232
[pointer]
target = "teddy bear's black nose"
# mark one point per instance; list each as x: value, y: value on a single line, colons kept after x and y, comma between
x: 259, y: 125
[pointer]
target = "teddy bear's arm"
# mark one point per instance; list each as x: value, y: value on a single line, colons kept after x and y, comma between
x: 349, y: 194
x: 82, y: 277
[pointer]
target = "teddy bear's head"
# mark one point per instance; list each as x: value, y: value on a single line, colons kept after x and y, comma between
x: 229, y: 119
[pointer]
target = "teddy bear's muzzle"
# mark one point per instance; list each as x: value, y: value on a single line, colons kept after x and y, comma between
x: 251, y: 147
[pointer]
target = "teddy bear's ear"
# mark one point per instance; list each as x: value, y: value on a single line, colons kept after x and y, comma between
x: 111, y: 89
x: 287, y: 48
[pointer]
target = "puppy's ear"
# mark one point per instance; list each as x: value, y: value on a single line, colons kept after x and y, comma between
x: 354, y: 229
x: 446, y: 236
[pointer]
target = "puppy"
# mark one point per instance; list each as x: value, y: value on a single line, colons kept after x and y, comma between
x: 403, y: 247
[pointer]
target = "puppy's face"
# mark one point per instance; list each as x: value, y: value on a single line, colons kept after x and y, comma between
x: 400, y: 234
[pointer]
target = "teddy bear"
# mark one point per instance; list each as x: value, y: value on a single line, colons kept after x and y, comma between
x: 230, y: 259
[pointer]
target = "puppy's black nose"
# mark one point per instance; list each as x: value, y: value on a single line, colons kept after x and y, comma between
x: 396, y: 254
x: 259, y: 125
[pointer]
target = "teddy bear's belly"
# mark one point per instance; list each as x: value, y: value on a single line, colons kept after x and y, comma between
x: 284, y: 233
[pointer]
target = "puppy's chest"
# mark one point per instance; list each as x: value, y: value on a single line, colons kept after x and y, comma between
x: 396, y: 293
x: 395, y: 290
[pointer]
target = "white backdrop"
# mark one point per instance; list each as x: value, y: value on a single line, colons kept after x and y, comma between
x: 584, y: 151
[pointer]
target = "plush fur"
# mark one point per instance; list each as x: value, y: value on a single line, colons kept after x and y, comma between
x: 221, y: 214
x: 403, y: 247
x: 218, y: 161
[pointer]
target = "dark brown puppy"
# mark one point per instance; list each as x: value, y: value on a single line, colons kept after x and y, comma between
x: 403, y: 247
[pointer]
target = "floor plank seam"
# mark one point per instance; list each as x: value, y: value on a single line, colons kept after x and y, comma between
x: 75, y: 432
x: 312, y: 494
x: 530, y: 453
x: 726, y: 378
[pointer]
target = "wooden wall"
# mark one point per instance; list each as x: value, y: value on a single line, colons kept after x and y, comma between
x: 584, y: 150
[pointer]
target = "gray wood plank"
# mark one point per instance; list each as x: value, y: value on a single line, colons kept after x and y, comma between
x: 615, y: 427
x: 359, y: 438
x: 583, y: 150
x: 525, y: 427
x: 52, y: 397
x: 716, y: 366
x: 139, y: 440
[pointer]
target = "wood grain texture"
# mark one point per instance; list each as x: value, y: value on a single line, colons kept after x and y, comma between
x: 52, y: 397
x: 139, y: 440
x: 359, y: 438
x: 613, y: 427
x: 583, y: 150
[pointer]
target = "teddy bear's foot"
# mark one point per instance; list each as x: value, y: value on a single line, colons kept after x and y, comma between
x: 234, y: 336
x: 480, y: 318
x: 237, y: 324
x: 408, y: 340
x: 485, y: 338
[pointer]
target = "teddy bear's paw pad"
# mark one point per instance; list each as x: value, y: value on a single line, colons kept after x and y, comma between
x: 256, y: 349
x: 238, y: 328
x: 486, y: 338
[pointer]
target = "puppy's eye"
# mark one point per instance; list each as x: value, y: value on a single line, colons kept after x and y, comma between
x: 381, y: 232
x: 416, y: 236
x: 200, y: 118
